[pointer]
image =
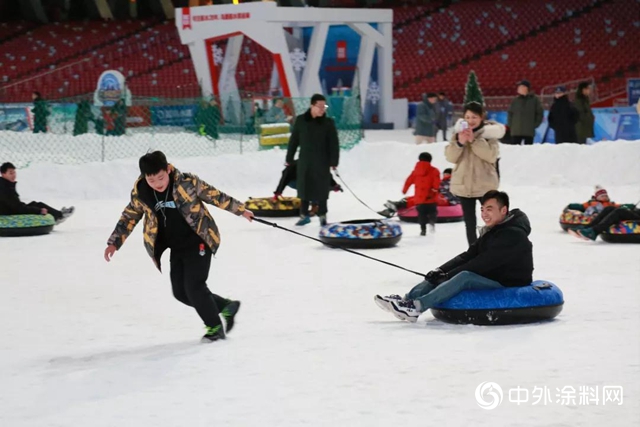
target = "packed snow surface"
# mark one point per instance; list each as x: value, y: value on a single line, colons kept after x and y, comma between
x: 90, y: 343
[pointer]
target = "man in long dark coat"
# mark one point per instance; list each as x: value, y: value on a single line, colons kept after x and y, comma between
x: 317, y: 137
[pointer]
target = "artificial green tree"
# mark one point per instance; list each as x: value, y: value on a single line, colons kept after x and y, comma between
x: 472, y: 91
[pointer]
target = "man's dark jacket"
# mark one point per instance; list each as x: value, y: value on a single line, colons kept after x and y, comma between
x: 503, y: 253
x: 319, y: 151
x: 10, y: 203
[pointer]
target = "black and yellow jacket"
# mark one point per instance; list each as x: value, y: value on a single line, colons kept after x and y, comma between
x: 189, y: 193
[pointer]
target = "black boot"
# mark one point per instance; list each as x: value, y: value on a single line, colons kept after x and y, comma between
x: 214, y: 333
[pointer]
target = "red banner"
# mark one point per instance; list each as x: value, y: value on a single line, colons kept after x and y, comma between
x: 138, y: 116
x: 341, y: 50
x: 186, y: 18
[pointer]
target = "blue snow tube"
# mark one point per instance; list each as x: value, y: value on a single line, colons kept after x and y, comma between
x: 542, y: 300
x: 362, y: 234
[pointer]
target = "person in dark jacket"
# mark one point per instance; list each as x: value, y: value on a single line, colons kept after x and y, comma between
x: 444, y: 114
x: 563, y: 117
x: 172, y: 204
x: 83, y: 116
x: 10, y: 203
x: 447, y: 198
x: 525, y: 115
x: 207, y: 119
x: 586, y: 119
x: 611, y: 215
x: 316, y: 136
x: 119, y: 115
x: 426, y: 116
x: 40, y: 113
x: 501, y: 257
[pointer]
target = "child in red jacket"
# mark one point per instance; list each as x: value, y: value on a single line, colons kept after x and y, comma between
x: 426, y: 180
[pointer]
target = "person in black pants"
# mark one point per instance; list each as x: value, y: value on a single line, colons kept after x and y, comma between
x: 475, y: 151
x: 176, y: 218
x: 10, y: 203
x: 469, y: 216
x: 609, y: 216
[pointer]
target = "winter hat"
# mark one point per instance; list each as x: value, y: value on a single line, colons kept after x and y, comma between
x: 425, y: 157
x: 600, y: 192
x: 524, y: 83
x: 474, y: 107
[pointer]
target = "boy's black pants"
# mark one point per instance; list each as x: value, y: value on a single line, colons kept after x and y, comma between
x: 189, y: 273
x: 427, y: 214
x: 56, y: 214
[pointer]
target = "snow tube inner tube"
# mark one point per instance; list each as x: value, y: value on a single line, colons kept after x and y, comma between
x: 542, y: 300
x: 26, y: 225
x: 362, y: 234
x: 573, y: 220
x: 623, y: 232
x: 445, y: 214
x: 267, y: 207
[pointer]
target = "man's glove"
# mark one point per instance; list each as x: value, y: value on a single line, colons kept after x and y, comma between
x: 436, y: 276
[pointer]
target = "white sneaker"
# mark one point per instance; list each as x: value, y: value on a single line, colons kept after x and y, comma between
x: 405, y: 310
x: 385, y: 302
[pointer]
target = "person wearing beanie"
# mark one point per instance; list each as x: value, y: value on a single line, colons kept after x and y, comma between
x: 563, y: 117
x: 475, y: 152
x: 446, y: 197
x: 525, y: 115
x: 597, y: 204
x: 426, y: 180
x: 426, y: 119
x: 586, y: 119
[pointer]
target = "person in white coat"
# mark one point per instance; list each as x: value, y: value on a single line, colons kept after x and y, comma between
x: 474, y: 150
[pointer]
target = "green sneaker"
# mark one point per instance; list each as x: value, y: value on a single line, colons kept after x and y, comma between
x: 214, y: 333
x: 229, y: 313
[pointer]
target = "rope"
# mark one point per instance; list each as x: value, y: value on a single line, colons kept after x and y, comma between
x: 272, y: 224
x: 354, y: 194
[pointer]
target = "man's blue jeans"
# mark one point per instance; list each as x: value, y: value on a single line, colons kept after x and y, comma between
x: 430, y: 295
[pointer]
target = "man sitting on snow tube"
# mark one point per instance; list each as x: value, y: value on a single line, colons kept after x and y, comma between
x: 10, y: 203
x: 611, y: 215
x: 501, y: 257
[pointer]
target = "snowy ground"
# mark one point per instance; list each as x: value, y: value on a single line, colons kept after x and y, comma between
x: 91, y: 343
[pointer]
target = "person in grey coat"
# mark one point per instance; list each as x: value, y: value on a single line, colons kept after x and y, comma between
x: 426, y: 115
x: 444, y: 109
x: 525, y: 115
x: 276, y: 113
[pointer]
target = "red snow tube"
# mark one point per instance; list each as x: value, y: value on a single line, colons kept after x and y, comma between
x: 445, y: 214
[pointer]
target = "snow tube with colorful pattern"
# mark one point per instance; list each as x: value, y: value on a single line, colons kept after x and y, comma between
x: 267, y: 207
x: 25, y: 225
x: 445, y: 214
x: 573, y: 220
x: 542, y: 300
x: 623, y: 232
x: 362, y: 234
